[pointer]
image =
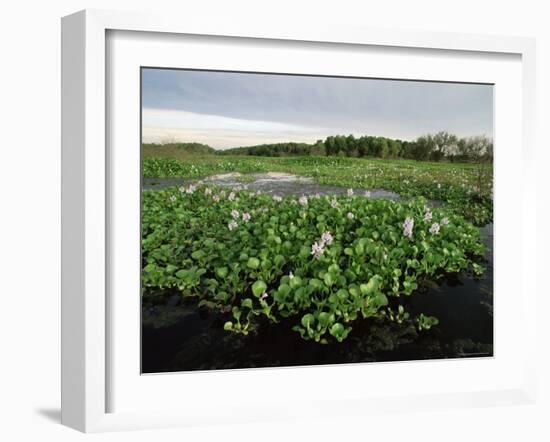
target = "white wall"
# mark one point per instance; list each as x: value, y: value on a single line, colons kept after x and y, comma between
x: 30, y: 220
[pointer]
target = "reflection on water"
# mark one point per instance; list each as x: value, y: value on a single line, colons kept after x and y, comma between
x: 178, y: 337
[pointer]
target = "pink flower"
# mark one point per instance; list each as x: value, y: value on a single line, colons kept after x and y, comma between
x: 434, y: 229
x: 303, y: 200
x: 427, y: 215
x: 317, y: 249
x: 326, y: 238
x: 235, y: 214
x: 246, y: 217
x: 264, y: 295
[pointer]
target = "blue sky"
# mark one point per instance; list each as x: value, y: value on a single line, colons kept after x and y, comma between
x: 239, y: 109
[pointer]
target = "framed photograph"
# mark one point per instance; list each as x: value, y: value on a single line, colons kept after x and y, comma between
x: 278, y: 222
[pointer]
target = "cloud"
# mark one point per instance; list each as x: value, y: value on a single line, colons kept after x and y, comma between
x: 221, y: 132
x: 268, y: 107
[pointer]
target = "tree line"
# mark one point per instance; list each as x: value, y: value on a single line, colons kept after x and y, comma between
x: 430, y: 147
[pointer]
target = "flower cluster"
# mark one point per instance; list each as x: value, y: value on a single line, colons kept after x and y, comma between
x: 232, y: 225
x: 246, y: 217
x: 445, y: 221
x: 318, y: 248
x: 208, y: 191
x: 277, y: 198
x: 235, y: 214
x: 367, y: 194
x: 326, y: 238
x: 350, y: 192
x: 434, y: 229
x: 231, y: 196
x: 334, y: 203
x: 408, y: 227
x: 427, y: 214
x: 303, y: 200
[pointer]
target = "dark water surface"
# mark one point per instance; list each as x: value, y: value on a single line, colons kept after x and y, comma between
x: 178, y: 337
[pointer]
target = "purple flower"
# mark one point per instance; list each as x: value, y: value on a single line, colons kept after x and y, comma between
x: 408, y: 227
x: 326, y: 238
x: 246, y: 217
x: 235, y: 214
x: 232, y: 225
x: 303, y: 200
x: 317, y: 249
x: 350, y: 192
x: 434, y: 229
x: 445, y: 221
x: 350, y: 215
x: 427, y: 215
x: 264, y: 295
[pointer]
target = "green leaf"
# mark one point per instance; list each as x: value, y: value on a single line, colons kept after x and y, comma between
x: 247, y: 302
x: 253, y: 263
x: 258, y: 288
x: 295, y: 282
x: 222, y: 272
x: 308, y: 320
x: 198, y: 254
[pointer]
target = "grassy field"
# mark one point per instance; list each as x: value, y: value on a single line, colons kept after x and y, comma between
x: 465, y: 187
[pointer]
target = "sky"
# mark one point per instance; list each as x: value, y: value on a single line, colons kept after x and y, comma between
x: 224, y: 109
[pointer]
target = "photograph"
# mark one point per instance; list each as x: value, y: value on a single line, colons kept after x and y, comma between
x: 301, y: 220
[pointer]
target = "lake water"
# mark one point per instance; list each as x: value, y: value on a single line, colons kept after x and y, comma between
x: 272, y: 183
x: 181, y: 337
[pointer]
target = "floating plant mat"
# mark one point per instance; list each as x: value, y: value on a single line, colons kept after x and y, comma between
x: 236, y: 279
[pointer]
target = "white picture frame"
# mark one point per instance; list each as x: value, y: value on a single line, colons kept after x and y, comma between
x: 86, y: 206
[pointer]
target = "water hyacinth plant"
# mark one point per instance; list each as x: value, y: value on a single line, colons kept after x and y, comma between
x: 257, y: 257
